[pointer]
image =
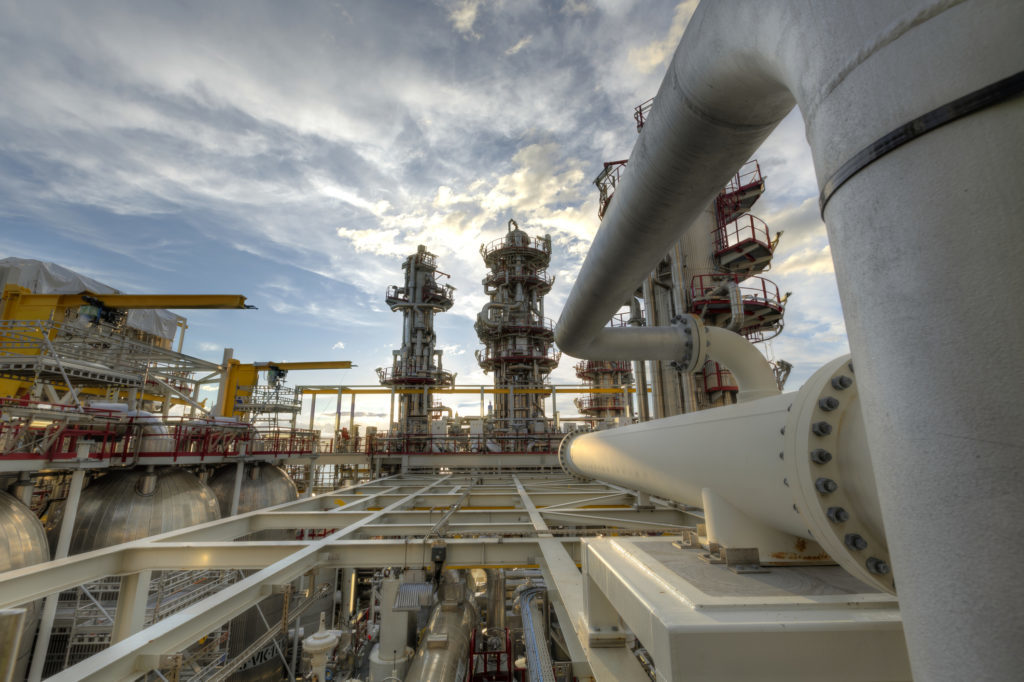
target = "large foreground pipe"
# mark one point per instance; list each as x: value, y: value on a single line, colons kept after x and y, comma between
x: 775, y: 474
x: 913, y: 118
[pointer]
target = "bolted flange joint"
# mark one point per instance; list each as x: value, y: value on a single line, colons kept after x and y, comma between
x: 694, y: 343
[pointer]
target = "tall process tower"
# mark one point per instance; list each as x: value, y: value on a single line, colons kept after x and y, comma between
x: 519, y: 340
x: 417, y: 365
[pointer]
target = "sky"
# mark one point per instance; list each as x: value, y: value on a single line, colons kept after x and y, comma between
x: 297, y: 152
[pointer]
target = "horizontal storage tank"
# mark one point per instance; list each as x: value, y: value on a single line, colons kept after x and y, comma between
x: 22, y: 543
x: 263, y: 485
x: 128, y: 505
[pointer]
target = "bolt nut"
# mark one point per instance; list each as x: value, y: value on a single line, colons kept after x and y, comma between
x: 877, y: 566
x: 855, y: 541
x: 841, y: 382
x: 821, y: 428
x: 828, y: 403
x: 819, y: 456
x: 838, y: 515
x: 826, y: 485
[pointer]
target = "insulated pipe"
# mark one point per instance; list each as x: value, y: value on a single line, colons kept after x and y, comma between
x: 445, y: 644
x: 753, y: 374
x: 911, y: 219
x: 495, y: 601
x: 794, y: 464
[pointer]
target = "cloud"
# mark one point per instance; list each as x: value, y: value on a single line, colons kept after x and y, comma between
x: 338, y: 346
x: 462, y: 14
x: 319, y: 148
x: 451, y: 349
x: 518, y: 46
x: 647, y: 58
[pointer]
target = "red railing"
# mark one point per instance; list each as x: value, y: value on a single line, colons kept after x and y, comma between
x: 544, y: 327
x: 642, y: 112
x: 714, y: 287
x: 606, y: 181
x: 404, y: 375
x: 516, y: 242
x: 606, y: 401
x: 44, y: 432
x: 718, y: 378
x: 536, y: 277
x: 744, y: 229
x: 494, y: 356
x: 542, y: 443
x: 585, y: 369
x: 749, y: 175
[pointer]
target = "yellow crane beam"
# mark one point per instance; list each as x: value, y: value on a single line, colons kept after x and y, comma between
x: 288, y: 366
x: 20, y: 304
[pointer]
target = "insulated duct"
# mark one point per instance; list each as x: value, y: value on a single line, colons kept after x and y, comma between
x: 444, y: 647
x: 913, y: 119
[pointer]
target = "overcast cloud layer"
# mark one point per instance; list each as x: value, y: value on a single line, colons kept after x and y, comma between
x: 297, y: 152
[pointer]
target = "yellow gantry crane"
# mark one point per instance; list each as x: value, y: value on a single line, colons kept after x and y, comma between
x: 239, y: 379
x: 26, y: 316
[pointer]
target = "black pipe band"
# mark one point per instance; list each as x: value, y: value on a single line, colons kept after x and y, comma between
x: 997, y: 92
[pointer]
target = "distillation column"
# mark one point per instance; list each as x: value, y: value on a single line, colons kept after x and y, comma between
x: 614, y: 378
x: 417, y: 365
x: 519, y: 339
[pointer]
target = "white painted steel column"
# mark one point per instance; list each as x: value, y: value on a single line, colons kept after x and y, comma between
x: 236, y: 492
x: 35, y: 672
x: 130, y: 616
x: 390, y: 658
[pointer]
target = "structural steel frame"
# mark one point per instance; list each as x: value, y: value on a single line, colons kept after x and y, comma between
x: 501, y: 520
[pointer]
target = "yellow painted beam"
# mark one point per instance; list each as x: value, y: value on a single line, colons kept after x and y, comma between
x: 288, y: 366
x: 49, y: 302
x: 190, y: 301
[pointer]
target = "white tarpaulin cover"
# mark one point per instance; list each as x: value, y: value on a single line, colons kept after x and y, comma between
x: 49, y: 278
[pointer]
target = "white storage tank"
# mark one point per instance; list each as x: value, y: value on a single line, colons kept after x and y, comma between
x: 22, y: 543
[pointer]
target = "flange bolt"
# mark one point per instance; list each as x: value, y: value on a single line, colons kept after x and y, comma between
x: 826, y: 485
x: 821, y: 428
x: 877, y: 566
x: 838, y: 514
x: 841, y: 382
x: 854, y: 541
x: 828, y: 403
x: 819, y: 456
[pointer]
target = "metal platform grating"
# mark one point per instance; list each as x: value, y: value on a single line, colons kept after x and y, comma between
x: 413, y: 596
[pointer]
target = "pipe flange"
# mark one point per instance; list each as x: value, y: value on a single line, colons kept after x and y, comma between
x: 563, y: 457
x: 823, y: 498
x: 694, y: 342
